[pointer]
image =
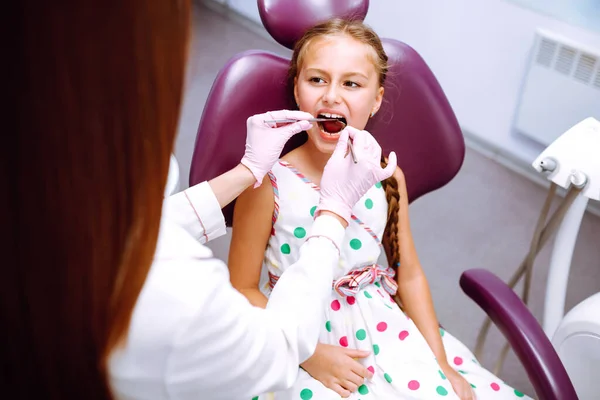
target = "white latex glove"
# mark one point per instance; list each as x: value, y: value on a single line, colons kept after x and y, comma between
x: 264, y: 142
x: 344, y: 182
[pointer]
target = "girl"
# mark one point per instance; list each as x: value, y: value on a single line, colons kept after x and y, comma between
x: 338, y: 70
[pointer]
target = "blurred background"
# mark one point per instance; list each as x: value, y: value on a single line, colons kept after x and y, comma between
x: 486, y: 54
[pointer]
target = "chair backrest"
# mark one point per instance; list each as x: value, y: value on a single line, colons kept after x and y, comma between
x: 415, y: 119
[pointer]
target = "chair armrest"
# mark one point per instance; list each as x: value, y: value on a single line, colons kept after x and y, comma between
x: 522, y: 331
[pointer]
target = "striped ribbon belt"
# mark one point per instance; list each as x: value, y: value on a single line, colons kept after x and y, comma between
x: 351, y: 283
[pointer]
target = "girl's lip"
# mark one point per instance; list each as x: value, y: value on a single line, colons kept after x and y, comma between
x: 327, y: 137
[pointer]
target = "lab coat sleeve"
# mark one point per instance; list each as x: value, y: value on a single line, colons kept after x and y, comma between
x: 197, y: 211
x: 232, y: 350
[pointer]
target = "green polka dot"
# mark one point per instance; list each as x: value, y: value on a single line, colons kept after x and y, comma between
x: 328, y: 326
x: 519, y: 394
x: 361, y: 334
x: 375, y: 349
x: 378, y: 284
x: 285, y: 248
x: 388, y: 306
x: 462, y: 372
x: 473, y: 386
x: 441, y: 391
x: 378, y: 185
x: 442, y: 331
x: 387, y: 378
x: 368, y: 295
x: 355, y: 244
x: 306, y: 394
x: 255, y: 398
x: 369, y: 203
x: 442, y: 375
x: 312, y: 211
x: 363, y: 389
x: 299, y: 232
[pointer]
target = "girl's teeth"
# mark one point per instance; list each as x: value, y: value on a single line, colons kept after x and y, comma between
x: 330, y: 115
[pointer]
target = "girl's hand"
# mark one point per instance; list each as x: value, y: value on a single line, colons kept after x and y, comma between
x: 336, y: 368
x: 459, y: 384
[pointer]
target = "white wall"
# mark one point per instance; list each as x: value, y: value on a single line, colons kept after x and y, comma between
x: 478, y: 50
x: 247, y: 8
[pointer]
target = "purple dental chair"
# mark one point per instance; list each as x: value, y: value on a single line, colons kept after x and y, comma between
x: 415, y: 120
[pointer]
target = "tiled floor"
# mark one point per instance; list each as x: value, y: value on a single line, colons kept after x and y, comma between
x: 483, y: 219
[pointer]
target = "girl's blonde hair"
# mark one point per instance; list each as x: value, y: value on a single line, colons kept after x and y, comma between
x: 355, y: 29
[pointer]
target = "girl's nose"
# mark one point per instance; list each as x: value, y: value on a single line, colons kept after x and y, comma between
x: 331, y: 95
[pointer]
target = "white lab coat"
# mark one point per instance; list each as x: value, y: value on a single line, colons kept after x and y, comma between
x: 193, y: 336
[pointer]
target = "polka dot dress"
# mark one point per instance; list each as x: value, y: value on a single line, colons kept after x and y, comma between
x: 403, y: 365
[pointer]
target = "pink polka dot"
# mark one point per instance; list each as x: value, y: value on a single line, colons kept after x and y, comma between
x: 392, y: 299
x: 382, y: 326
x: 381, y: 294
x: 495, y: 386
x: 351, y: 300
x: 335, y: 305
x: 414, y: 385
x: 403, y: 335
x: 371, y: 369
x: 344, y: 341
x: 458, y: 360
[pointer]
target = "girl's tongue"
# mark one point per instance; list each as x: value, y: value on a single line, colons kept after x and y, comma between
x: 330, y: 130
x: 334, y: 126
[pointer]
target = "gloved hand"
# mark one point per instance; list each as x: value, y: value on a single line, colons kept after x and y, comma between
x: 344, y: 182
x: 264, y: 142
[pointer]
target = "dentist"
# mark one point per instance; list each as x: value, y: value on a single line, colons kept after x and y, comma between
x: 107, y: 291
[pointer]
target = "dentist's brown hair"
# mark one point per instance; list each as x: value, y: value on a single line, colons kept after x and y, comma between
x: 96, y: 88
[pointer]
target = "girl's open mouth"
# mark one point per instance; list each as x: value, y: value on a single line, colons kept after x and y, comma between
x: 330, y: 130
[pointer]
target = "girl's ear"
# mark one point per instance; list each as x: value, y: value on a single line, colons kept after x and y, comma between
x: 378, y: 100
x: 296, y: 91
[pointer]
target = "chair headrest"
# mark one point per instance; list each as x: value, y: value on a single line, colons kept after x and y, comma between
x: 286, y: 21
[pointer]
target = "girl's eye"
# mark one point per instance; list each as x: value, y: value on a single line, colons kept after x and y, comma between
x: 352, y: 84
x: 316, y: 80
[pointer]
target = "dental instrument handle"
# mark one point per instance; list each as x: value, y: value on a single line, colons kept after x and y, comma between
x: 289, y: 120
x: 352, y: 151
